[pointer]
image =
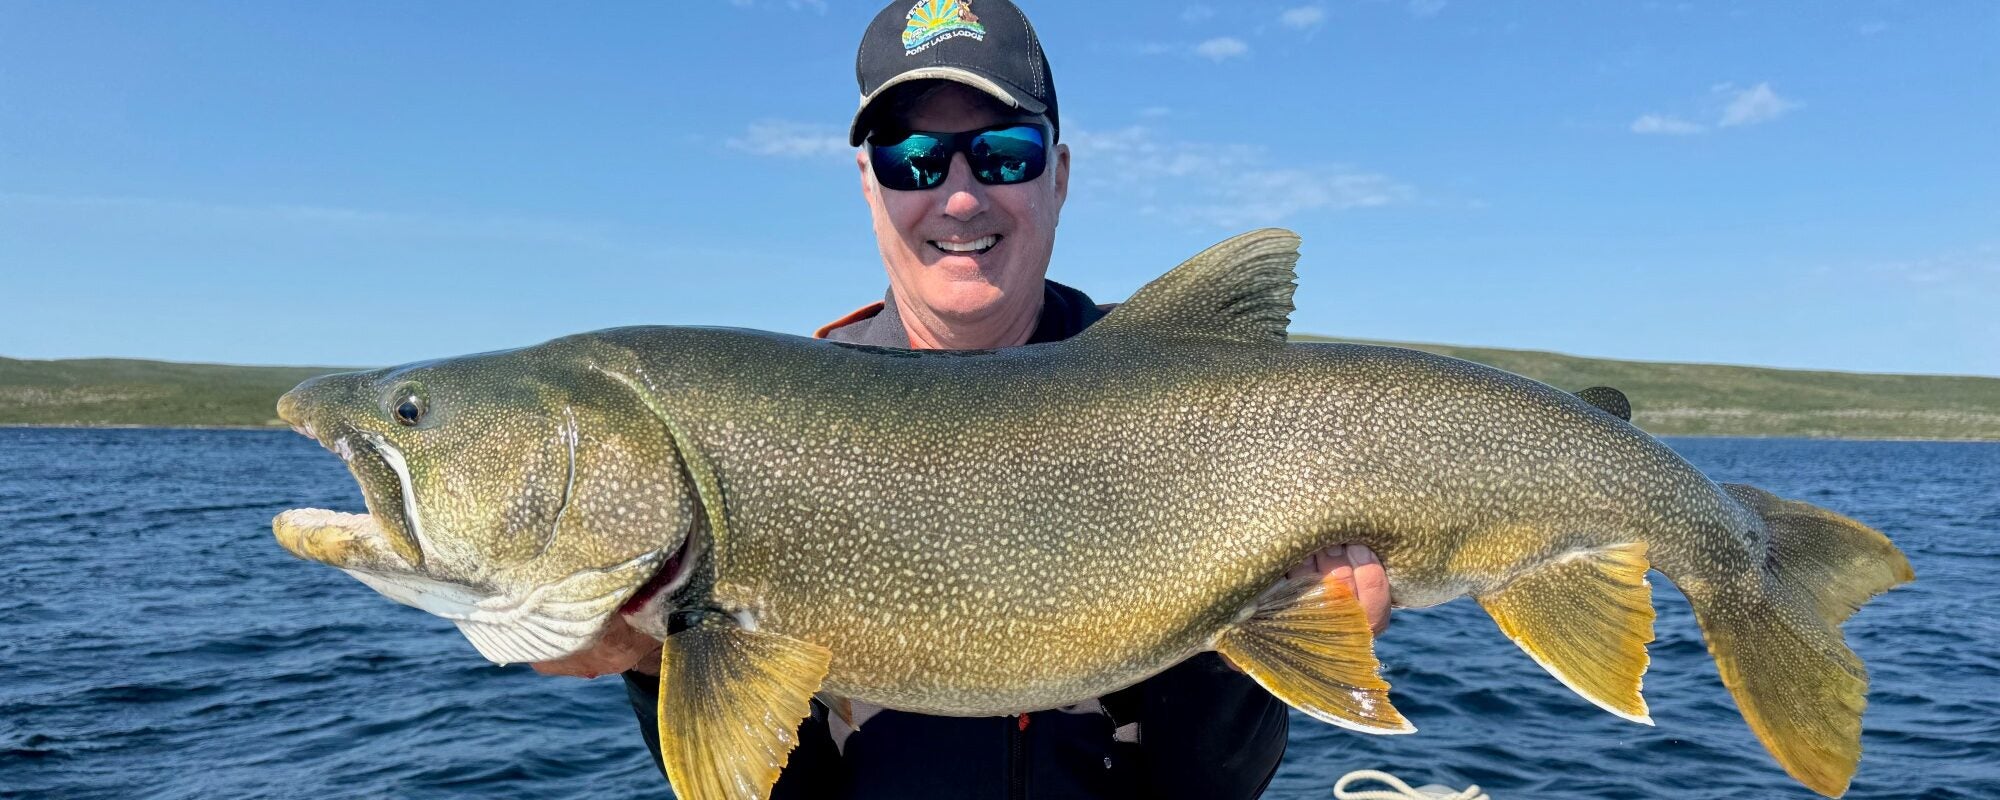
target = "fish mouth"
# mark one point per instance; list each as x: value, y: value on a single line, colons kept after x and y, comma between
x: 383, y: 475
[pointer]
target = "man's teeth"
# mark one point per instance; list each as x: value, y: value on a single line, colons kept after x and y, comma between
x: 973, y: 246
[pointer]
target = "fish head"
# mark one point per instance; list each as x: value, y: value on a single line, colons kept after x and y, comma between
x: 526, y: 495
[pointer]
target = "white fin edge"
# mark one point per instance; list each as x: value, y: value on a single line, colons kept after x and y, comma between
x: 1643, y: 719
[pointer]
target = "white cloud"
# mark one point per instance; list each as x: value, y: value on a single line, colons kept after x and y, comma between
x: 1222, y: 185
x: 1222, y: 48
x: 1668, y: 125
x: 1752, y: 106
x: 791, y: 140
x: 1267, y: 196
x: 1871, y: 27
x: 1303, y: 17
x: 1729, y: 106
x: 1426, y: 8
x: 1954, y: 267
x: 1196, y: 13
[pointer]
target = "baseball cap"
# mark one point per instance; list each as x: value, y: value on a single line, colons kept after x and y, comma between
x: 995, y: 51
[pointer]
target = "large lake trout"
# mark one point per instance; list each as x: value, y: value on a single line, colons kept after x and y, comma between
x: 917, y: 529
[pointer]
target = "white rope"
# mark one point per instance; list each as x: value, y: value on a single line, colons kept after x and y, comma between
x: 1402, y: 792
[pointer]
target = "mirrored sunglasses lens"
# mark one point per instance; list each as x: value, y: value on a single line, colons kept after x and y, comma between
x: 916, y: 162
x: 1009, y: 155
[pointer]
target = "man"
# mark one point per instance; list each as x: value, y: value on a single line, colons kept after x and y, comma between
x: 965, y: 179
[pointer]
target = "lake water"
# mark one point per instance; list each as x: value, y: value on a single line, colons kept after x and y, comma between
x: 155, y: 642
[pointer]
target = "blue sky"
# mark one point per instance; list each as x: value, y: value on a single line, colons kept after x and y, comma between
x: 367, y: 183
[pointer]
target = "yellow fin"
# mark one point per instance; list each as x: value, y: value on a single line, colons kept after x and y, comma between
x: 1797, y: 684
x: 1586, y: 619
x: 1775, y: 633
x: 731, y: 700
x: 1838, y: 562
x: 1308, y: 643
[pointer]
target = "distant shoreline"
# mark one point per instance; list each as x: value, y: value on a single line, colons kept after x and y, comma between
x: 1670, y: 399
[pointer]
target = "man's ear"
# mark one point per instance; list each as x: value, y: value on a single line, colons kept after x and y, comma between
x: 1062, y: 174
x: 861, y: 163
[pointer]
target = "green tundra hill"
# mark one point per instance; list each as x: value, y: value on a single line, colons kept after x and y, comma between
x: 1668, y: 399
x: 119, y: 391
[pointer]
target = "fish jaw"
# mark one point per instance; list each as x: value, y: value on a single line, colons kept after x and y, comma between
x: 543, y: 623
x: 338, y: 539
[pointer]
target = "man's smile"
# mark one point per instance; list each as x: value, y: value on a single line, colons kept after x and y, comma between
x: 962, y: 246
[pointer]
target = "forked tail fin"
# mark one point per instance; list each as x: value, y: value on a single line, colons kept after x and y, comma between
x: 1776, y: 636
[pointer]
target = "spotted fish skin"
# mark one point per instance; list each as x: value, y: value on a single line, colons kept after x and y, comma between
x: 1029, y: 528
x: 981, y: 533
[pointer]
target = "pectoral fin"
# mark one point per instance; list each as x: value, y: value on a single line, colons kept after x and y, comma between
x: 731, y: 700
x: 1586, y: 619
x: 1308, y: 643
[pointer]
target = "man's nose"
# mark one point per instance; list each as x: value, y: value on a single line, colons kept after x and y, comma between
x: 965, y: 197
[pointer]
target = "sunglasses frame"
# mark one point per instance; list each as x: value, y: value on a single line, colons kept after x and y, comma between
x: 959, y: 143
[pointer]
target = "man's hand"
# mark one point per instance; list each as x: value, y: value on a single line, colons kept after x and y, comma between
x: 621, y: 648
x: 1360, y: 570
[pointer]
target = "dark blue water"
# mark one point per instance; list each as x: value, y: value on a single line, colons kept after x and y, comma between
x: 155, y: 642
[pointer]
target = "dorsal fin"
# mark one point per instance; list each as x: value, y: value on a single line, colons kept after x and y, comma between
x: 1609, y: 400
x: 1237, y: 291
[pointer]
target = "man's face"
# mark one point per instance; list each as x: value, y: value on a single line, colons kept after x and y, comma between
x: 967, y: 288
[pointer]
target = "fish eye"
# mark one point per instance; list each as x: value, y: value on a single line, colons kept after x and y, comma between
x: 408, y: 406
x: 410, y: 411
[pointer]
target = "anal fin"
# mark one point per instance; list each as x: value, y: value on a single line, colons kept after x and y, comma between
x: 1308, y: 643
x: 731, y: 700
x: 1586, y: 619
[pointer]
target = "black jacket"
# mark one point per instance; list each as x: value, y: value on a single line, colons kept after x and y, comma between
x: 1204, y: 730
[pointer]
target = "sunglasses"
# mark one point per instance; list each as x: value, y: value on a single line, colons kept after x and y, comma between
x: 999, y: 155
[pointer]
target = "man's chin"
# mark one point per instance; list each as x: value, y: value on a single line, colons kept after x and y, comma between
x: 965, y: 302
x: 954, y: 289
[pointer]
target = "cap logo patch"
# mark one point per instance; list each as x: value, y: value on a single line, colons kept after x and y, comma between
x: 933, y: 21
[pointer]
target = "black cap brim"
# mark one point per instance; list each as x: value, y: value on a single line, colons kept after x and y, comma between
x: 979, y: 79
